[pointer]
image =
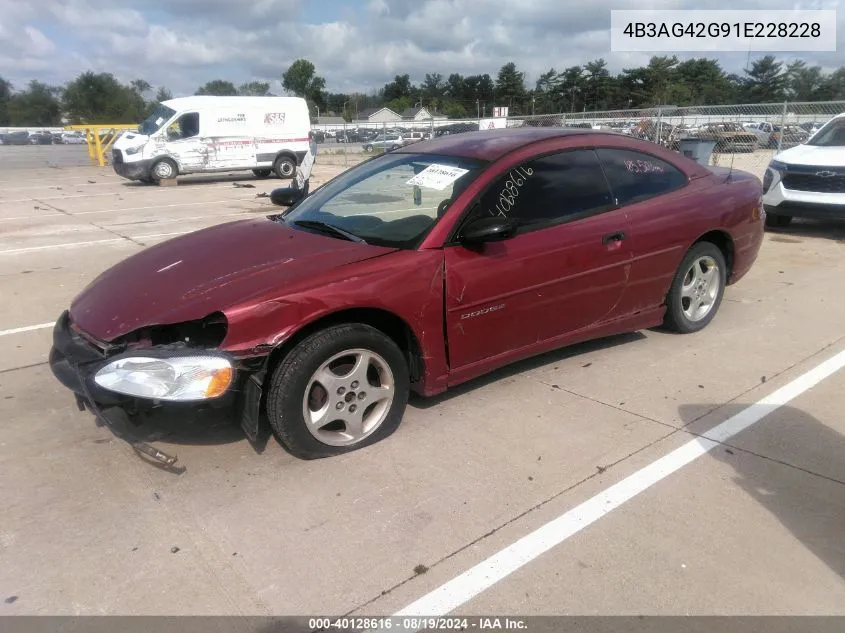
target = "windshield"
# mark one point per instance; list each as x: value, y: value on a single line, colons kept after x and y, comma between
x: 159, y: 117
x: 831, y: 135
x: 393, y: 200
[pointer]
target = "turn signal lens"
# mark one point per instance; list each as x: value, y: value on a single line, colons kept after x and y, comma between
x: 219, y: 383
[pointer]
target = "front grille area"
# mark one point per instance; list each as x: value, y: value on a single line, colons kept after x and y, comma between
x: 817, y: 184
x: 117, y: 156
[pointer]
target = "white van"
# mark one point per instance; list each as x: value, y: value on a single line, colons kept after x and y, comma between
x: 203, y: 134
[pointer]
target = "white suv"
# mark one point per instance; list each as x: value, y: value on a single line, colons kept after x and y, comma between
x: 808, y: 180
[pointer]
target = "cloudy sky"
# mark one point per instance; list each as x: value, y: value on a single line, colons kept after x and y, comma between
x: 355, y: 44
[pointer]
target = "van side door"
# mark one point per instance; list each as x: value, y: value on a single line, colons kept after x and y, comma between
x: 185, y: 144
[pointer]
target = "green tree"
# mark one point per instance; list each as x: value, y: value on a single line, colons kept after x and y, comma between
x: 255, y: 89
x: 803, y: 83
x: 456, y: 88
x: 596, y: 85
x: 545, y: 94
x: 5, y: 97
x: 570, y: 88
x: 163, y: 94
x: 510, y: 88
x: 38, y: 105
x: 705, y: 82
x: 218, y: 88
x: 302, y: 80
x: 398, y: 88
x: 100, y: 98
x: 433, y: 88
x: 765, y: 81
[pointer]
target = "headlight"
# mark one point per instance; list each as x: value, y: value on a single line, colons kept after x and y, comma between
x: 134, y: 150
x: 180, y: 378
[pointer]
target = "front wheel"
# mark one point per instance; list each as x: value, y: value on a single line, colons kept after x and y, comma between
x: 368, y: 148
x: 697, y: 289
x: 165, y: 169
x: 339, y: 390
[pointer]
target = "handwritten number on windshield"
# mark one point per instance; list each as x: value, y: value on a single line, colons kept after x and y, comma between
x: 510, y: 191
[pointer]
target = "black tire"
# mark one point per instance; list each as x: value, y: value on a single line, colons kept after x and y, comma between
x: 777, y: 221
x: 675, y: 318
x: 285, y: 167
x: 262, y: 173
x: 368, y: 148
x: 164, y: 169
x: 293, y: 374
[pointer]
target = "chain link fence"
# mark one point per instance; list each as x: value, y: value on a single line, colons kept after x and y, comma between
x: 747, y: 136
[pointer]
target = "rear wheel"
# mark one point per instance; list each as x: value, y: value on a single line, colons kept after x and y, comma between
x: 777, y: 221
x: 284, y: 167
x: 338, y: 390
x: 697, y: 290
x: 262, y: 173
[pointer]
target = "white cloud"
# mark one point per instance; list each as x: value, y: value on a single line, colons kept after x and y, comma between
x: 184, y: 43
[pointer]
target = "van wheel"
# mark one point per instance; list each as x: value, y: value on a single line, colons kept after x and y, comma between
x: 368, y: 148
x: 262, y: 173
x: 164, y: 169
x: 285, y: 166
x: 338, y: 390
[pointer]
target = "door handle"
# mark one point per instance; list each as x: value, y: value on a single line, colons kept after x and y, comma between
x: 618, y: 236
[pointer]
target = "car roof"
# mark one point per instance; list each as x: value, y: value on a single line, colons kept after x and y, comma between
x: 491, y: 145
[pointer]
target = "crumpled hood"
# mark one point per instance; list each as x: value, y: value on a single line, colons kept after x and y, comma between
x: 210, y: 270
x: 812, y: 156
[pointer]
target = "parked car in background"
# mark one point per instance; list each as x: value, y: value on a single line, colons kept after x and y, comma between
x: 730, y: 137
x: 811, y: 128
x: 331, y: 312
x: 18, y: 137
x: 73, y: 138
x: 792, y: 135
x: 808, y: 180
x: 319, y: 136
x: 387, y: 142
x: 762, y: 130
x: 41, y: 138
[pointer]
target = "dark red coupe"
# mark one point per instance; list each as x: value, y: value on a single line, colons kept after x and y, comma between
x: 416, y: 270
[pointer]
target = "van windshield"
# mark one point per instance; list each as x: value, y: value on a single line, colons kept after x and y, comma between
x: 159, y: 117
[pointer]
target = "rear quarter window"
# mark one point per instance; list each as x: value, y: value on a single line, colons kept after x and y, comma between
x: 634, y: 176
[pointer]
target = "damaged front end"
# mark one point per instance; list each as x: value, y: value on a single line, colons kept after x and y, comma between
x: 164, y: 365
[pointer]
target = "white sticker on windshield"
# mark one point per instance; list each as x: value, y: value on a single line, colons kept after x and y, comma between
x: 437, y: 176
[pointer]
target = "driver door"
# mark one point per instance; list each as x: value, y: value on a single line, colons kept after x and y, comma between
x: 564, y: 271
x: 184, y: 142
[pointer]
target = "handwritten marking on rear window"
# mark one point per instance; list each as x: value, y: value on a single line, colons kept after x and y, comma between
x: 510, y: 191
x: 643, y: 167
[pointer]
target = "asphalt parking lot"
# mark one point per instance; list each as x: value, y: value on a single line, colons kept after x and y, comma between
x: 642, y: 474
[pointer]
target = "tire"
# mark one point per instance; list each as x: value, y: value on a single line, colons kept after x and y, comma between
x: 146, y: 180
x: 688, y: 287
x: 777, y: 221
x: 294, y: 392
x: 368, y: 148
x: 262, y: 173
x: 285, y: 167
x: 164, y: 169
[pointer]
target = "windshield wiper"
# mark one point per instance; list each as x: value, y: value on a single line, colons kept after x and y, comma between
x: 329, y: 228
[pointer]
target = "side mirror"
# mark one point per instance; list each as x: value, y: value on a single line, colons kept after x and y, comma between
x: 485, y: 230
x: 287, y: 196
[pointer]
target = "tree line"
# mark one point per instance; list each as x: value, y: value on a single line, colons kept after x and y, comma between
x: 101, y: 98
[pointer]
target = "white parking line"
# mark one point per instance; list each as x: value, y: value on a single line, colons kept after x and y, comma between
x: 37, y: 216
x: 28, y: 328
x: 484, y: 575
x: 47, y: 247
